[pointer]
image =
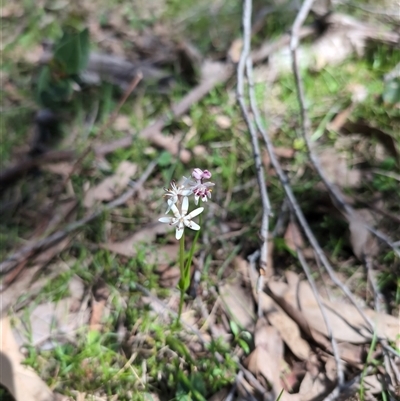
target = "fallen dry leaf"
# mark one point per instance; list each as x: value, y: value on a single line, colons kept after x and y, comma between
x: 112, y: 186
x: 287, y: 327
x: 284, y: 153
x: 162, y: 255
x: 10, y: 290
x: 293, y: 237
x: 372, y: 384
x: 223, y: 122
x: 335, y: 166
x: 280, y: 152
x: 64, y: 169
x: 122, y: 123
x: 101, y: 293
x: 145, y: 235
x: 235, y: 50
x: 331, y: 369
x: 53, y: 323
x: 267, y: 358
x: 238, y: 304
x: 14, y: 10
x: 340, y: 119
x: 346, y: 323
x: 169, y: 275
x: 312, y: 388
x: 352, y: 353
x: 364, y: 244
x: 21, y: 381
x: 387, y: 140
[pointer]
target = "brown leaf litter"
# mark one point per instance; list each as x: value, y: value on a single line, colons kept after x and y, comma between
x: 291, y: 311
x: 346, y: 323
x: 22, y: 382
x: 266, y: 359
x: 54, y: 323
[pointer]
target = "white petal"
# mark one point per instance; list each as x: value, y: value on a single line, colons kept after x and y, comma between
x: 195, y: 213
x: 186, y: 192
x: 179, y: 232
x: 169, y: 203
x: 166, y: 220
x: 175, y: 211
x: 185, y: 205
x: 192, y: 225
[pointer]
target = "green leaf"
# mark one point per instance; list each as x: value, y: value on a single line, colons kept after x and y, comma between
x: 244, y: 346
x: 190, y: 388
x: 51, y: 91
x: 93, y: 337
x: 72, y: 52
x: 165, y: 159
x: 186, y: 280
x: 234, y: 328
x: 181, y: 284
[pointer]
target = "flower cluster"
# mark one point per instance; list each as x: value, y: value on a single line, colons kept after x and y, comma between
x: 178, y: 200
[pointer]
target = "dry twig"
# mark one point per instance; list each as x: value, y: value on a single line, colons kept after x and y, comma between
x: 245, y: 64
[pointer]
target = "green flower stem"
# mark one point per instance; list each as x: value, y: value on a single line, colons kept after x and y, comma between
x: 184, y: 281
x: 182, y: 270
x: 196, y: 237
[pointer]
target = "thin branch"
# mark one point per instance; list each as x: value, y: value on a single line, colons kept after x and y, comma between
x: 299, y: 22
x: 245, y: 64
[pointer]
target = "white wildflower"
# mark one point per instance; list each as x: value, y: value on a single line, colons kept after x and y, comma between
x: 174, y: 194
x: 181, y: 219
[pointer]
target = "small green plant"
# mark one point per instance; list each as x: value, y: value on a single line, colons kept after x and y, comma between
x: 178, y: 196
x: 70, y: 58
x: 369, y: 361
x: 240, y: 337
